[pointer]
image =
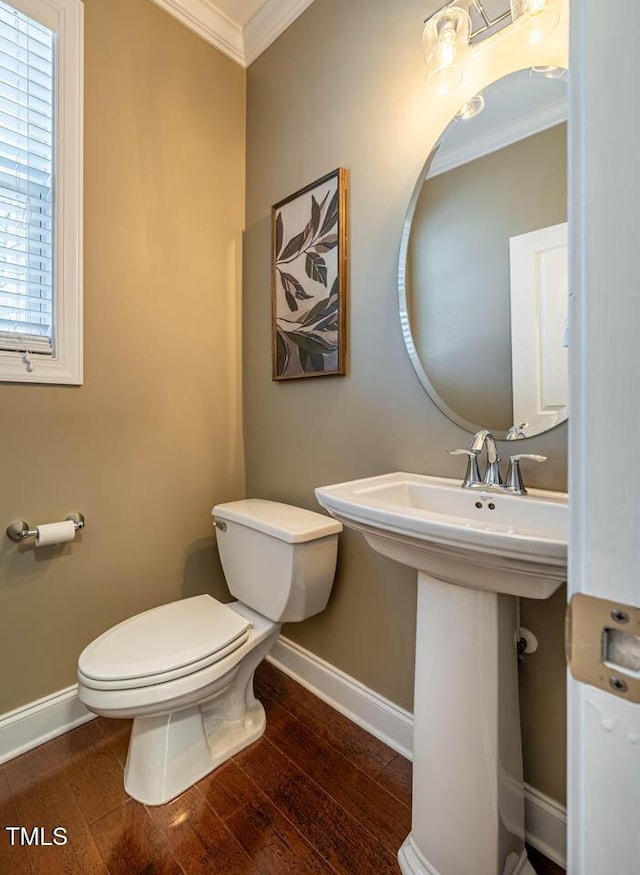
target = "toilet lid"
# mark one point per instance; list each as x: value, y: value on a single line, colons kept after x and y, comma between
x: 165, y: 639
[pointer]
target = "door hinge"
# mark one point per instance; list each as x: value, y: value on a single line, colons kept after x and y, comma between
x: 602, y: 644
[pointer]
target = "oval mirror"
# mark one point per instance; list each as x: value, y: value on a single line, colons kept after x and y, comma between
x: 483, y: 263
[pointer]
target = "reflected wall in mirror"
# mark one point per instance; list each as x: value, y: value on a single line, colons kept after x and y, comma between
x: 483, y: 289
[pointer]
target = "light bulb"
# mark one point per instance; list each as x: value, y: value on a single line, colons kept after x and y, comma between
x: 447, y: 36
x: 446, y: 42
x: 536, y: 35
x: 540, y: 16
x: 447, y: 55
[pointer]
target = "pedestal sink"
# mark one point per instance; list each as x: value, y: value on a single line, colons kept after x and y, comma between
x: 475, y: 552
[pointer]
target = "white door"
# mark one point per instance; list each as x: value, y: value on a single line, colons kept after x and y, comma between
x: 604, y: 480
x: 539, y: 301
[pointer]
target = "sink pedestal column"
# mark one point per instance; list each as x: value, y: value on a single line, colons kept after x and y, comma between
x: 468, y: 794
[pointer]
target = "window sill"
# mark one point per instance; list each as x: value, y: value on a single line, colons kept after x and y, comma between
x: 14, y: 368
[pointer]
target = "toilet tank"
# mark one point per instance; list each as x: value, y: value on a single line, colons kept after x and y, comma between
x: 277, y: 559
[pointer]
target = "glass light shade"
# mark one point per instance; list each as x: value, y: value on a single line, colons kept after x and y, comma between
x: 541, y: 17
x: 471, y: 108
x: 445, y: 42
x: 549, y: 72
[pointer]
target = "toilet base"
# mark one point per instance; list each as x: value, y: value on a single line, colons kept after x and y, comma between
x: 171, y: 752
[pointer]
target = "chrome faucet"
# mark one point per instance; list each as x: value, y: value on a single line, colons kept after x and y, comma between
x: 516, y: 432
x: 492, y: 480
x: 484, y: 438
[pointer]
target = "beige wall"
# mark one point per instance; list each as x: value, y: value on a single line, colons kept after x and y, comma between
x: 153, y: 438
x: 344, y: 85
x: 459, y: 254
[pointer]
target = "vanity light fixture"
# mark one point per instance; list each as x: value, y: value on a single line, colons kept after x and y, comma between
x: 457, y: 24
x: 446, y: 41
x: 540, y: 16
x: 471, y: 108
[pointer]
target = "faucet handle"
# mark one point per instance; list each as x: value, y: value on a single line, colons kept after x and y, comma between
x: 472, y: 475
x: 514, y: 477
x: 531, y: 456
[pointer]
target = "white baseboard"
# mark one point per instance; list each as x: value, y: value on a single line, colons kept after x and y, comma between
x: 368, y: 709
x: 33, y: 724
x: 546, y: 819
x: 546, y: 825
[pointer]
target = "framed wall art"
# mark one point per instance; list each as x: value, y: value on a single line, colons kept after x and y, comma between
x: 308, y: 283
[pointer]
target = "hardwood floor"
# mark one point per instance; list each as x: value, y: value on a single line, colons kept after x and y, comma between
x: 316, y: 794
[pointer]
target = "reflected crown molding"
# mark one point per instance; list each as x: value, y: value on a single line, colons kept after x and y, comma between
x: 500, y: 137
x: 241, y: 44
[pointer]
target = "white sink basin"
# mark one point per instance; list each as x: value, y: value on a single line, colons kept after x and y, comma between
x: 514, y: 544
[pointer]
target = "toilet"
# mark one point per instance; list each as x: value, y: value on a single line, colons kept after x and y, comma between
x: 184, y: 671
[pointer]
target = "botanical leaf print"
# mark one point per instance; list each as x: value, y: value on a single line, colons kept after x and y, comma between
x: 331, y: 217
x: 282, y: 354
x: 279, y: 233
x: 292, y: 287
x: 316, y: 268
x: 315, y: 214
x: 327, y: 243
x: 311, y: 363
x: 293, y: 247
x: 306, y: 242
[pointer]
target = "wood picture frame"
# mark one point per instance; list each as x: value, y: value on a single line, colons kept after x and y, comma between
x: 308, y: 280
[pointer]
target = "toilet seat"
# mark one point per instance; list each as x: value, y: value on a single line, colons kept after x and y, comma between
x: 163, y: 644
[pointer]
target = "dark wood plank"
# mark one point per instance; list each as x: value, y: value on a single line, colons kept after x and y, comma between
x: 272, y: 843
x: 28, y: 770
x: 367, y: 801
x: 117, y: 734
x: 271, y: 685
x: 13, y: 857
x: 337, y: 836
x: 227, y: 789
x: 271, y: 693
x: 92, y: 770
x: 356, y: 745
x: 200, y: 841
x: 131, y: 844
x: 396, y: 777
x: 44, y: 798
x: 542, y: 864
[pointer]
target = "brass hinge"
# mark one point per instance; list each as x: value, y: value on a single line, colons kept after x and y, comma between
x: 602, y: 643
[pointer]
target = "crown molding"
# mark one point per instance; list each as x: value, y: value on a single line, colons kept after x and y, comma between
x: 205, y: 19
x: 500, y: 137
x: 272, y: 19
x: 243, y: 45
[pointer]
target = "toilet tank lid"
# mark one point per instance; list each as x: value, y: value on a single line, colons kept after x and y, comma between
x: 295, y: 525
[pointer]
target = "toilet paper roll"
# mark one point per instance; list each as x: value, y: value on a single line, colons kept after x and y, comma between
x: 55, y: 533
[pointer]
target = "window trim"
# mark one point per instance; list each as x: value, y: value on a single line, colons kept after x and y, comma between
x: 65, y: 366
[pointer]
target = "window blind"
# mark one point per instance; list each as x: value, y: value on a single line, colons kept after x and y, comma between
x: 26, y: 183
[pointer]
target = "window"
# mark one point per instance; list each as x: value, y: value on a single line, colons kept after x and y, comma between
x: 41, y: 191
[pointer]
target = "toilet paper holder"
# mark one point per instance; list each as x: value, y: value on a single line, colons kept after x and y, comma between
x: 20, y: 530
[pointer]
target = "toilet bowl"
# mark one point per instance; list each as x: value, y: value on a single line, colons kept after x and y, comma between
x: 184, y: 671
